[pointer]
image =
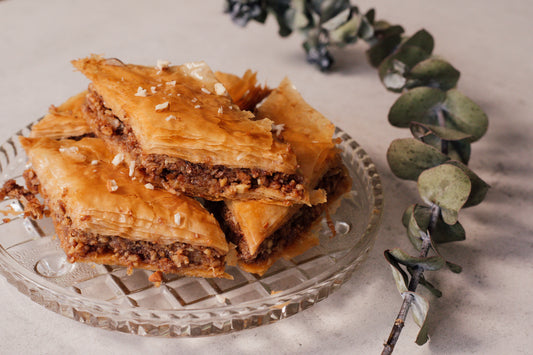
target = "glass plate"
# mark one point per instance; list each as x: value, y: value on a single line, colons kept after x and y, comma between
x: 109, y: 298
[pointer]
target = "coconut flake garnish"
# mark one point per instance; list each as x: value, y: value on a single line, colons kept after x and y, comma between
x: 204, y: 90
x: 197, y: 106
x: 162, y: 106
x: 171, y: 83
x: 194, y: 99
x: 171, y: 117
x: 94, y: 162
x: 153, y: 89
x: 149, y: 186
x: 220, y: 110
x: 132, y: 168
x: 220, y: 89
x: 278, y: 128
x: 112, y: 185
x: 118, y: 159
x: 177, y: 218
x: 141, y: 92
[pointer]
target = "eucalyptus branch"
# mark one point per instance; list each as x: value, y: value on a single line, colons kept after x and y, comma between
x: 442, y: 120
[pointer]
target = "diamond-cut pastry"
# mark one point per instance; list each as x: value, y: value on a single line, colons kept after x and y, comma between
x: 102, y: 216
x: 185, y: 134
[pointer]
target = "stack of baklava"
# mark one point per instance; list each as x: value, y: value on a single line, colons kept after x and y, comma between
x: 175, y: 168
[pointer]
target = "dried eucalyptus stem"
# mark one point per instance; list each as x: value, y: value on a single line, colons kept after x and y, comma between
x: 443, y: 121
x: 399, y: 323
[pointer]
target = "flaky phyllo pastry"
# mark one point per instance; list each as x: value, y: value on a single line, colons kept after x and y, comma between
x: 115, y: 165
x: 263, y: 232
x: 102, y: 216
x: 181, y: 131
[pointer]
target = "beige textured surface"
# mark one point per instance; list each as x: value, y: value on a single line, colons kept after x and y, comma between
x: 485, y: 310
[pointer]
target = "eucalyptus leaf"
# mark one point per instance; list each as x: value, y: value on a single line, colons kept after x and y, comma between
x: 428, y: 285
x: 456, y: 150
x: 395, y: 265
x: 419, y: 307
x: 446, y: 133
x: 465, y: 114
x: 430, y: 263
x: 398, y: 65
x: 421, y: 39
x: 399, y: 280
x: 384, y: 42
x: 371, y: 16
x: 441, y: 233
x: 479, y: 187
x: 329, y: 9
x: 366, y: 30
x: 345, y: 33
x: 337, y: 20
x: 408, y: 158
x: 454, y: 267
x: 416, y: 105
x: 433, y: 72
x: 446, y: 186
x: 416, y: 233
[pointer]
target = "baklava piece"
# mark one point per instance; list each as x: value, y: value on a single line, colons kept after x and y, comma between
x: 179, y: 128
x: 263, y: 233
x: 102, y: 216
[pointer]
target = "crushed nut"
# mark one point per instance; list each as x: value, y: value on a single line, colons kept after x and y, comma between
x: 141, y: 92
x: 177, y: 218
x: 118, y: 159
x: 162, y: 106
x: 112, y: 185
x: 220, y: 89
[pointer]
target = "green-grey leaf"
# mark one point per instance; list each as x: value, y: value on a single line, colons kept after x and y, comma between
x: 434, y: 72
x: 393, y: 69
x: 366, y: 30
x: 435, y: 291
x: 457, y: 150
x: 448, y: 187
x: 431, y: 263
x: 441, y: 233
x: 479, y: 187
x: 445, y: 133
x: 419, y: 308
x: 408, y: 158
x: 465, y: 114
x: 331, y: 8
x: 394, y: 263
x: 418, y: 105
x: 415, y: 232
x: 421, y: 39
x: 399, y: 280
x: 454, y: 267
x: 337, y: 20
x: 346, y: 33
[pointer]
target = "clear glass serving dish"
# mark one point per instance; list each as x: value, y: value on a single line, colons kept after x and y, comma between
x: 107, y: 297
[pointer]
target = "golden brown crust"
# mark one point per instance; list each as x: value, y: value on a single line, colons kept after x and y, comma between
x: 244, y: 91
x: 310, y: 134
x: 100, y: 197
x: 64, y: 121
x: 203, y: 127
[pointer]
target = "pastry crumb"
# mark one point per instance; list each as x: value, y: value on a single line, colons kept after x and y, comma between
x: 156, y: 278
